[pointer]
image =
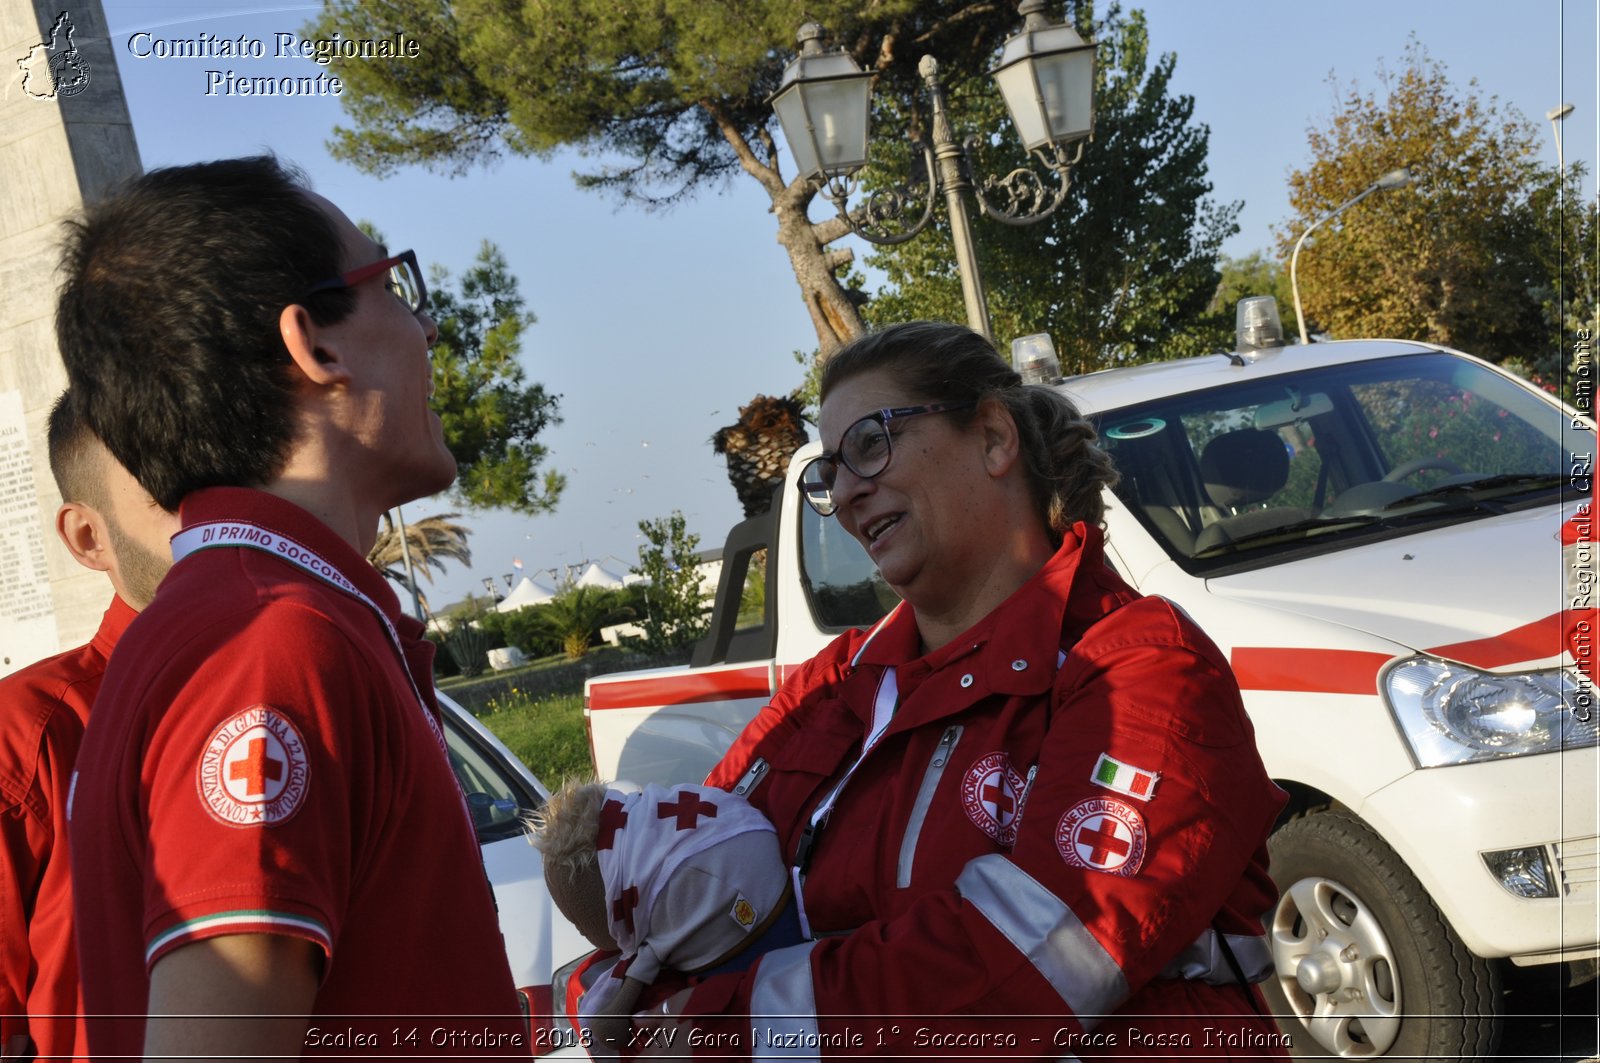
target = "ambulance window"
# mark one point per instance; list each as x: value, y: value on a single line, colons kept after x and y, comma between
x: 842, y: 584
x: 494, y: 801
x: 1459, y: 418
x: 1297, y: 435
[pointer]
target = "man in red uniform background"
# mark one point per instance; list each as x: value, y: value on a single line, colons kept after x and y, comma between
x: 110, y: 524
x: 267, y: 837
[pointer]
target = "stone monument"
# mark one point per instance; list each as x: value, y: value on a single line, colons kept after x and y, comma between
x: 65, y: 139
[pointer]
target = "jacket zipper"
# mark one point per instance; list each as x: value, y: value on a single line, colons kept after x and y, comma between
x: 919, y: 810
x: 751, y: 778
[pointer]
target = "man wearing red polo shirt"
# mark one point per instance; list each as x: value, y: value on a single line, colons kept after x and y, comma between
x: 264, y: 806
x: 110, y: 524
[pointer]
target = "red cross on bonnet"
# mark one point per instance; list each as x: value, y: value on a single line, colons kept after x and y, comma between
x: 645, y: 837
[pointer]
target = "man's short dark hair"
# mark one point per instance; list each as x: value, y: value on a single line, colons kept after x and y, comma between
x: 168, y: 319
x: 75, y: 456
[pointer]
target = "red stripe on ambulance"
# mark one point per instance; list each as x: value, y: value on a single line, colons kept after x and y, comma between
x: 1307, y: 670
x: 681, y: 689
x: 1312, y: 671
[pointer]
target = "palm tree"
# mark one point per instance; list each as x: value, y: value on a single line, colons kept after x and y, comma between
x: 577, y: 613
x: 759, y: 446
x: 431, y: 540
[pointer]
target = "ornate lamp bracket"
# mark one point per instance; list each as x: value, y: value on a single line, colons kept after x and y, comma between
x: 886, y: 207
x: 1021, y: 197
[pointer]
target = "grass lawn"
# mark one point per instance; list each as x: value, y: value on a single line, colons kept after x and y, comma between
x: 547, y: 734
x: 537, y: 709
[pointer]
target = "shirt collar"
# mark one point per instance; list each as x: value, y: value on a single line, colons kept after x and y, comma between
x: 1025, y: 628
x: 288, y: 520
x: 118, y: 616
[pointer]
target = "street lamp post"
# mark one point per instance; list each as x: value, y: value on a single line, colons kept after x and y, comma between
x: 1393, y: 179
x: 1046, y: 76
x: 405, y: 555
x: 1556, y: 115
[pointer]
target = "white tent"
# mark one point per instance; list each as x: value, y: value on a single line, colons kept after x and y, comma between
x: 595, y: 576
x: 525, y: 593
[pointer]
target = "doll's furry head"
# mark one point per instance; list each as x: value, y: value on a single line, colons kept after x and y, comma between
x: 564, y: 829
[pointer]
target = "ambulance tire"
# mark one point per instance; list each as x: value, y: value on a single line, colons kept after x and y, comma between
x: 1366, y: 966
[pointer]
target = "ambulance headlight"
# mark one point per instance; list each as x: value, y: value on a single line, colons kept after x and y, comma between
x: 1452, y: 714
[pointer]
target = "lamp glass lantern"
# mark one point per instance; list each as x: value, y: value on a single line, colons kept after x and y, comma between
x: 824, y: 105
x: 1046, y: 75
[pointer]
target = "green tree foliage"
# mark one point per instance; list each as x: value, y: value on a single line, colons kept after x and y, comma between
x: 1570, y: 257
x: 492, y: 416
x: 1469, y: 255
x: 1125, y: 270
x: 523, y: 629
x: 671, y: 95
x: 753, y: 596
x: 576, y: 614
x: 676, y: 611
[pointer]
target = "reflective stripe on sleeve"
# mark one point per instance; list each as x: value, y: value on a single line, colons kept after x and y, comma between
x: 1203, y: 961
x: 1048, y: 933
x: 786, y: 1003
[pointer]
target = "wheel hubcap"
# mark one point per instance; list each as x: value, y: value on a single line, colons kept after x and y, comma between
x: 1317, y: 974
x: 1334, y: 966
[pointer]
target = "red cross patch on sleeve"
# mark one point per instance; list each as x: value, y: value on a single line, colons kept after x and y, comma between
x: 254, y: 771
x: 1104, y: 834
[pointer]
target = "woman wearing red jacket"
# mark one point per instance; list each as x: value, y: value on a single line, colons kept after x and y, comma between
x: 1025, y: 811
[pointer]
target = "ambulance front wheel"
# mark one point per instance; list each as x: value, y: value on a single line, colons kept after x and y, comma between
x: 1365, y: 966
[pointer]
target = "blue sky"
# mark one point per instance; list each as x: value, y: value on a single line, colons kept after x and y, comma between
x: 654, y: 328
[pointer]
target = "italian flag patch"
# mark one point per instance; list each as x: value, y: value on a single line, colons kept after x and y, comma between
x: 1124, y: 778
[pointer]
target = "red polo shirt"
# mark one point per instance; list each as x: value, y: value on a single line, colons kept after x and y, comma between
x: 43, y: 709
x: 260, y: 763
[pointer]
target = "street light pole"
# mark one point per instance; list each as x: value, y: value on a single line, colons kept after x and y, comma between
x: 1556, y: 116
x: 951, y: 162
x: 405, y: 555
x: 1393, y: 179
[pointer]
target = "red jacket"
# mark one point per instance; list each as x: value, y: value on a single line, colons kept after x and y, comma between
x: 1065, y: 807
x: 43, y: 710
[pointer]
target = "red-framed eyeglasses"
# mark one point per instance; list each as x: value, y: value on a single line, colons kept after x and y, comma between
x: 404, y: 279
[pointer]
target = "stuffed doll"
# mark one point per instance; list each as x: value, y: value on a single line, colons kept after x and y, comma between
x: 687, y: 878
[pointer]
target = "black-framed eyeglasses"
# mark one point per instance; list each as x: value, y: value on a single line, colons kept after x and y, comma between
x: 864, y: 449
x: 404, y: 279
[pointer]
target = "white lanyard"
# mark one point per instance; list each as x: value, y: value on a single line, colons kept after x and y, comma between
x: 217, y: 534
x: 883, y: 707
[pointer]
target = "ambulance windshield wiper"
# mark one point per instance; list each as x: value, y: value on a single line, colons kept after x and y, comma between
x: 1297, y: 530
x: 1476, y: 492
